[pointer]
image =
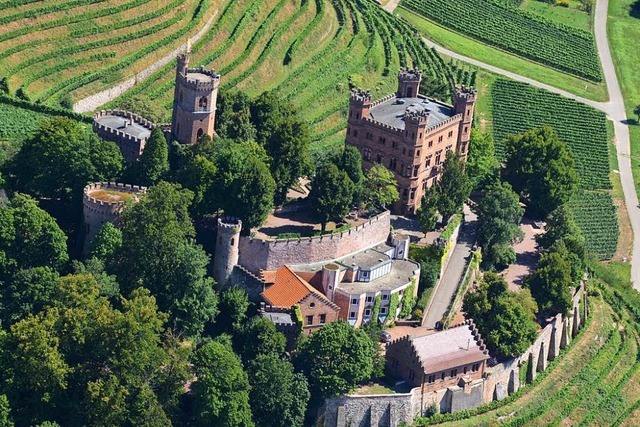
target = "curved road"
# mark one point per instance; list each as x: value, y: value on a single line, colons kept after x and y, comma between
x: 614, y: 108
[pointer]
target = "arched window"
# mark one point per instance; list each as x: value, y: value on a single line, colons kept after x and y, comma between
x: 232, y: 241
x: 200, y: 133
x: 203, y: 102
x: 180, y: 97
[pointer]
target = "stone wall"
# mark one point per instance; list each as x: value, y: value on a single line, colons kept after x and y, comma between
x: 258, y: 254
x: 371, y: 410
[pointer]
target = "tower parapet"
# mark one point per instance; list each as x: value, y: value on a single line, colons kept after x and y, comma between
x: 409, y: 82
x: 103, y: 202
x: 227, y: 253
x: 128, y: 130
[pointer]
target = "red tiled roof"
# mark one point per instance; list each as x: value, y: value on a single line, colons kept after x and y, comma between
x: 288, y: 288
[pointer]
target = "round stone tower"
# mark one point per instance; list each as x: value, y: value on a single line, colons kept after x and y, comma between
x: 103, y: 202
x: 226, y: 257
x: 194, y: 101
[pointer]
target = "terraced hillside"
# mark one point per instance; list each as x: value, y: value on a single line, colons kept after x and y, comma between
x: 53, y: 48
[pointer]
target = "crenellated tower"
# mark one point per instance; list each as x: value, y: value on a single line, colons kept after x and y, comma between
x: 409, y: 82
x: 464, y: 102
x: 194, y: 101
x: 227, y: 253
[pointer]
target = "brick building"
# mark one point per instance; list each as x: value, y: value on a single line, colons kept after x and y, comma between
x: 410, y: 134
x: 434, y: 362
x: 286, y: 289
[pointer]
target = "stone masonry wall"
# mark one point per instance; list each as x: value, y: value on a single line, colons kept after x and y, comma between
x: 256, y: 254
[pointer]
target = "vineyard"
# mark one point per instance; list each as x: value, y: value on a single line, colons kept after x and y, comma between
x: 518, y: 107
x: 17, y: 123
x: 596, y: 383
x: 502, y: 24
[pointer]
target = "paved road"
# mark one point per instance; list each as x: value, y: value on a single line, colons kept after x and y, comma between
x: 614, y: 108
x: 454, y: 271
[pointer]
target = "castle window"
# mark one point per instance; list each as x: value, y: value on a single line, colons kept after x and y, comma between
x: 383, y: 310
x: 369, y: 299
x: 405, y: 193
x: 418, y: 153
x: 313, y: 304
x: 413, y: 193
x: 369, y: 136
x: 309, y: 320
x: 449, y: 147
x: 393, y: 163
x: 354, y: 301
x: 454, y: 372
x: 440, y: 139
x: 367, y: 153
x: 427, y: 162
x: 367, y: 312
x: 466, y: 129
x: 382, y: 140
x: 438, y: 156
x: 203, y: 102
x: 200, y: 133
x: 425, y: 182
x: 385, y: 297
x: 379, y: 158
x: 442, y: 374
x: 468, y: 113
x: 431, y: 143
x: 352, y: 315
x: 464, y: 371
x: 450, y: 134
x: 358, y: 116
x: 420, y: 135
x: 415, y: 170
x: 475, y: 367
x: 394, y: 144
x: 407, y: 172
x: 323, y: 318
x: 431, y: 379
x: 233, y: 241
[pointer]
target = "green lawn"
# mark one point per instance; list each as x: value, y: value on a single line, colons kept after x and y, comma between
x: 570, y: 16
x: 624, y: 33
x: 493, y: 56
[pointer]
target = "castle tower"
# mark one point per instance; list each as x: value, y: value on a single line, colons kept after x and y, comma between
x: 408, y: 82
x: 401, y: 244
x: 415, y: 124
x: 464, y: 102
x: 226, y: 257
x: 330, y: 279
x: 103, y: 202
x: 194, y: 101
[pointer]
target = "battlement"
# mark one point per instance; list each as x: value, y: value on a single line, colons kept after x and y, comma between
x: 384, y: 99
x: 359, y: 96
x: 111, y: 194
x: 229, y: 223
x: 467, y: 93
x: 407, y: 74
x: 126, y: 114
x: 445, y: 123
x: 381, y: 125
x: 209, y: 82
x: 416, y: 117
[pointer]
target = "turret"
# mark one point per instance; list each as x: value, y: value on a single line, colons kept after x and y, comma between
x: 359, y: 104
x: 194, y: 101
x: 400, y: 243
x: 103, y: 202
x: 330, y: 279
x: 227, y: 244
x: 415, y: 124
x: 408, y: 82
x: 464, y: 103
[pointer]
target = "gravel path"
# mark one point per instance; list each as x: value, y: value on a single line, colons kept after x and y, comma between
x: 95, y: 101
x: 614, y: 109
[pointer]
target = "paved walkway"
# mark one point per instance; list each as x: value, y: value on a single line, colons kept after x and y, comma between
x: 614, y: 108
x: 454, y: 272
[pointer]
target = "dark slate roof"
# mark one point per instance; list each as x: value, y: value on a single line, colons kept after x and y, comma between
x: 391, y: 111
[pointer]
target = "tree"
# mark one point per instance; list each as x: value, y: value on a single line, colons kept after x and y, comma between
x: 335, y: 359
x: 427, y: 214
x: 259, y: 336
x: 252, y: 193
x: 454, y: 186
x: 331, y: 194
x: 153, y: 164
x: 5, y: 412
x: 107, y: 242
x: 381, y: 188
x: 109, y: 286
x: 233, y: 116
x: 234, y: 303
x: 550, y: 284
x: 81, y: 361
x: 482, y: 163
x: 221, y: 391
x: 26, y: 293
x: 4, y: 85
x: 435, y: 87
x: 29, y: 237
x: 540, y: 168
x: 560, y: 224
x: 636, y: 111
x: 281, y: 393
x: 158, y: 251
x: 60, y: 158
x: 499, y: 216
x: 21, y: 93
x: 351, y: 162
x: 143, y: 106
x: 199, y: 175
x: 503, y: 317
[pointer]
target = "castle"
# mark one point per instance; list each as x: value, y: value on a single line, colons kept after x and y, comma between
x: 194, y: 113
x: 410, y: 134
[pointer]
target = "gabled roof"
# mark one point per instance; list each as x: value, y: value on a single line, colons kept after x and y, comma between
x: 450, y: 348
x: 288, y: 288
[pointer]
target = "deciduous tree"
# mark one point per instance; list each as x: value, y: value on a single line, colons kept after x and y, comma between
x: 331, y: 194
x: 551, y: 283
x: 259, y: 336
x: 454, y: 186
x: 540, y: 168
x: 482, y: 164
x: 381, y: 188
x: 153, y: 164
x: 427, y: 214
